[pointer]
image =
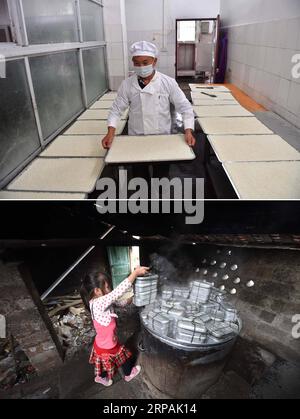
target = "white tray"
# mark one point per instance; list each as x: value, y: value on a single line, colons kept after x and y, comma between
x: 214, y: 102
x: 233, y: 126
x: 219, y: 95
x: 150, y: 148
x: 109, y: 96
x: 102, y: 104
x: 221, y: 111
x: 75, y: 146
x: 265, y: 180
x: 196, y: 87
x: 59, y: 175
x: 98, y: 114
x: 92, y: 128
x: 40, y: 195
x: 252, y: 148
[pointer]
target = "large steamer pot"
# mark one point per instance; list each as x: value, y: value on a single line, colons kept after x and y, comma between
x: 182, y: 372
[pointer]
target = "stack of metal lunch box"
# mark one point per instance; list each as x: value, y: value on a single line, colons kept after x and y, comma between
x: 200, y: 291
x: 210, y: 307
x: 191, y: 308
x: 195, y: 315
x: 191, y: 330
x: 181, y: 292
x: 230, y: 313
x: 145, y: 290
x: 167, y: 293
x: 158, y: 322
x: 176, y: 312
x: 222, y: 330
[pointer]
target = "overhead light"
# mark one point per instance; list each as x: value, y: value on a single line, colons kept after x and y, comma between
x: 194, y: 244
x: 136, y: 237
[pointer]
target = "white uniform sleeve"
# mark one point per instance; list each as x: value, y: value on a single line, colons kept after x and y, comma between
x: 182, y: 106
x: 120, y: 105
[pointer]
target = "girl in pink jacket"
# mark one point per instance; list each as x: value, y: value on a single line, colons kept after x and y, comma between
x: 107, y: 354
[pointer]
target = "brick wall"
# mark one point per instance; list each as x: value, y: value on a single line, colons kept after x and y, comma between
x: 26, y: 319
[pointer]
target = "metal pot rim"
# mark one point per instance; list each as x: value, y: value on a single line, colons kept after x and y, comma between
x: 192, y: 347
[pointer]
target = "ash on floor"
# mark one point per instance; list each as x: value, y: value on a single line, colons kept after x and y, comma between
x: 15, y: 367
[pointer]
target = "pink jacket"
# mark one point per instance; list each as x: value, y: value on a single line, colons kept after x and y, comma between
x: 104, y: 318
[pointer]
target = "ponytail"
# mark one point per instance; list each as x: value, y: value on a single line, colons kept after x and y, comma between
x: 88, y: 285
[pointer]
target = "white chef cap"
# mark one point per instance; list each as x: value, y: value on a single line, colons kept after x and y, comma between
x: 144, y: 48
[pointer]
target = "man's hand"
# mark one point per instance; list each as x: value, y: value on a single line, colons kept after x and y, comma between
x: 109, y: 138
x: 107, y: 141
x: 189, y: 138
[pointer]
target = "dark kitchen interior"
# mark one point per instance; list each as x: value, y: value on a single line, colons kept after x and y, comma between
x: 41, y: 242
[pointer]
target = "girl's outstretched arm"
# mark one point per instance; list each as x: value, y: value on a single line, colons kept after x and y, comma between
x: 102, y: 303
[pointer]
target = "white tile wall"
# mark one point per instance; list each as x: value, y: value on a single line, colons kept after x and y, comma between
x: 116, y: 43
x: 114, y: 32
x: 116, y: 51
x: 260, y: 63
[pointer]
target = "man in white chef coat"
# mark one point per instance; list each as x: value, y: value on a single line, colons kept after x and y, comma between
x: 149, y: 94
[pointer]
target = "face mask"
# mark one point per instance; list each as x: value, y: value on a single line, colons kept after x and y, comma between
x: 144, y: 71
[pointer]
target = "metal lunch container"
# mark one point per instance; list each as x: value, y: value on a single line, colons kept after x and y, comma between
x: 141, y: 302
x: 171, y: 303
x: 200, y: 291
x: 193, y: 326
x: 209, y: 307
x: 203, y: 317
x: 145, y: 289
x: 190, y: 338
x: 167, y: 290
x: 182, y: 292
x: 173, y: 311
x: 166, y: 294
x: 218, y: 315
x: 159, y: 322
x: 230, y: 313
x: 220, y: 330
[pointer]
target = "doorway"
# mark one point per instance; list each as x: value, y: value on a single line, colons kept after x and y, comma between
x: 122, y: 260
x: 196, y: 49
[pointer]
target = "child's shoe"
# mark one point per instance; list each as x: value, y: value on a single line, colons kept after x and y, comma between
x: 104, y: 381
x: 134, y: 372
